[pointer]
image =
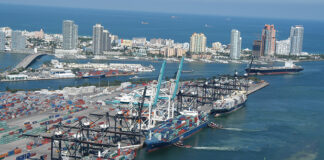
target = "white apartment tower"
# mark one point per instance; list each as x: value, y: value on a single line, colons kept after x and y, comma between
x: 97, y: 39
x: 2, y: 41
x: 198, y: 43
x: 296, y: 39
x: 236, y: 42
x: 70, y: 35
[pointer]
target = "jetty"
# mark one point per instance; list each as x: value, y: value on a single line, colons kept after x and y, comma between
x: 256, y: 86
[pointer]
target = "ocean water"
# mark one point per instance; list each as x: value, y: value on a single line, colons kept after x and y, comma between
x: 128, y: 24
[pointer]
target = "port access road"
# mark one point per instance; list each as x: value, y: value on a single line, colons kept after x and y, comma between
x: 28, y: 60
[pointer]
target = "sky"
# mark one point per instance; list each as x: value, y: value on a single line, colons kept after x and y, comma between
x: 288, y: 9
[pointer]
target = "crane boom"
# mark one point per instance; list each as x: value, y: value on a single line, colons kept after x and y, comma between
x: 177, y: 79
x: 159, y: 83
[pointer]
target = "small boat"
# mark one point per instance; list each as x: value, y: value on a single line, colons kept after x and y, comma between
x: 135, y: 77
x: 180, y: 144
x: 188, y: 71
x: 144, y: 22
x: 214, y: 125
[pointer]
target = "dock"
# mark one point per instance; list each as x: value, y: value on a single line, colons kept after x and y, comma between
x: 257, y: 86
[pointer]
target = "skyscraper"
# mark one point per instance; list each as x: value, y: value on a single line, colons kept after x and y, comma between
x: 236, y: 41
x: 283, y: 47
x: 256, y: 48
x: 18, y: 41
x: 268, y: 41
x: 2, y: 41
x: 198, y: 43
x: 97, y: 39
x: 70, y: 35
x: 75, y: 36
x: 106, y: 41
x: 296, y: 39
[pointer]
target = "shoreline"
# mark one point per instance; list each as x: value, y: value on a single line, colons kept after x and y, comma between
x: 120, y: 75
x: 172, y: 59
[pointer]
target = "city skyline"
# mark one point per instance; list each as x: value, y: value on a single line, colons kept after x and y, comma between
x: 250, y: 8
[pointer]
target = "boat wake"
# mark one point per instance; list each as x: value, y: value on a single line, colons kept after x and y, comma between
x: 233, y: 129
x: 227, y: 148
x: 241, y: 130
x: 217, y: 148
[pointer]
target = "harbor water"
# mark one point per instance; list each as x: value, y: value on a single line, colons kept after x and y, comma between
x: 281, y: 121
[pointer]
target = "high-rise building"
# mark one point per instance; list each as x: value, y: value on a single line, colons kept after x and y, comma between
x: 106, y: 40
x: 18, y: 41
x: 97, y: 39
x: 109, y: 46
x: 70, y: 35
x: 139, y: 41
x: 198, y: 43
x: 2, y: 41
x: 256, y: 48
x: 268, y: 41
x: 75, y: 36
x: 236, y: 41
x: 180, y: 52
x: 217, y: 46
x: 296, y: 39
x: 170, y: 52
x: 283, y: 47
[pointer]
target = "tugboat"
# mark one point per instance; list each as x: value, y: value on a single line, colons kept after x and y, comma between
x: 214, y: 125
x: 181, y: 145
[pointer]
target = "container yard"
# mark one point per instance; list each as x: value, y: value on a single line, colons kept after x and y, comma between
x: 41, y: 113
x: 112, y: 122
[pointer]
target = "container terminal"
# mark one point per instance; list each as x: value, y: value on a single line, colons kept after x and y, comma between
x: 113, y: 122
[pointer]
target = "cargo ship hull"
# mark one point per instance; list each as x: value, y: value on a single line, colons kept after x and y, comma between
x: 158, y: 145
x: 255, y: 71
x: 219, y: 112
x: 94, y: 76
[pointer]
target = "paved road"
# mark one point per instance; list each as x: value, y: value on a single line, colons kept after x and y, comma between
x: 28, y: 60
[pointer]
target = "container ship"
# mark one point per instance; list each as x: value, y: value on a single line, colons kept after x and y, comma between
x: 289, y: 68
x: 92, y: 74
x: 175, y: 130
x: 229, y: 104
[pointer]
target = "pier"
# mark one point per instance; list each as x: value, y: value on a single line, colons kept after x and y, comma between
x: 28, y: 60
x: 257, y: 86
